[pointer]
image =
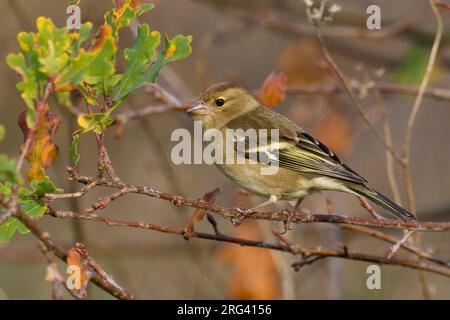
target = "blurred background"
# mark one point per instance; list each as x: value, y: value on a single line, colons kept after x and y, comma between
x: 245, y: 41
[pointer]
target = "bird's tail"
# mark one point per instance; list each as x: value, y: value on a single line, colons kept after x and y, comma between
x: 384, y: 202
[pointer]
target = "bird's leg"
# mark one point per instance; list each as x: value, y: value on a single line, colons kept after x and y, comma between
x: 271, y: 200
x: 298, y: 203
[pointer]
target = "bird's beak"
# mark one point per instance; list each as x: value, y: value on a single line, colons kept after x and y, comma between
x: 198, y: 108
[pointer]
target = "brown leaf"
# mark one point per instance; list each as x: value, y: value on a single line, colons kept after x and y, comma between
x: 272, y: 91
x: 199, y: 214
x: 74, y: 259
x: 104, y: 32
x: 42, y: 151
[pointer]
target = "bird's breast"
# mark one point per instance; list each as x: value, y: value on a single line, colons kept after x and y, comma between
x: 285, y: 183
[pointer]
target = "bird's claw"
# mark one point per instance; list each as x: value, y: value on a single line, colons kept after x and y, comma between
x: 287, y: 222
x: 243, y: 214
x: 240, y: 210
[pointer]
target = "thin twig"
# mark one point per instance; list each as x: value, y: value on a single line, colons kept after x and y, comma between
x: 199, y: 214
x: 406, y: 163
x: 105, y: 201
x: 294, y: 249
x: 352, y: 95
x: 59, y: 252
x: 390, y: 166
x: 369, y: 208
x: 387, y: 32
x: 54, y: 276
x: 282, y: 216
x: 12, y: 207
x: 388, y: 88
x: 96, y: 267
x: 54, y: 196
x: 393, y: 250
x: 388, y: 238
x: 416, y: 107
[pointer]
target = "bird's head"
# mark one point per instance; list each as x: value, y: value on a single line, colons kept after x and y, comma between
x: 221, y: 103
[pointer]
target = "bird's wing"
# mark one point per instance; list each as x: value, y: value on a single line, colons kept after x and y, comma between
x: 295, y: 149
x: 307, y: 154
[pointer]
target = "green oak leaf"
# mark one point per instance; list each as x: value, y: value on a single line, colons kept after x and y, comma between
x: 29, y: 202
x: 138, y: 59
x: 123, y: 16
x: 43, y: 186
x: 80, y: 37
x: 74, y: 148
x: 28, y: 46
x: 28, y: 86
x: 175, y: 49
x: 8, y: 169
x: 6, y: 188
x: 93, y: 66
x: 34, y: 208
x: 96, y: 122
x: 53, y: 46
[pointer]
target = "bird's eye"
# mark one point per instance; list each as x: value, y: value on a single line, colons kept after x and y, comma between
x: 219, y: 102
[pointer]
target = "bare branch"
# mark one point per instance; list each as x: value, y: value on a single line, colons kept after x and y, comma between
x: 282, y: 216
x: 45, y: 237
x: 318, y: 252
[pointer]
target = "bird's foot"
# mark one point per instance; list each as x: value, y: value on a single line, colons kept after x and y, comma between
x: 243, y: 214
x: 287, y: 222
x: 248, y: 212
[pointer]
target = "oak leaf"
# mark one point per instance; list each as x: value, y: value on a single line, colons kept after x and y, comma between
x: 272, y: 91
x: 42, y: 152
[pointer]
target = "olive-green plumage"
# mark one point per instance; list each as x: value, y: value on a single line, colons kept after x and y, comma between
x: 305, y: 164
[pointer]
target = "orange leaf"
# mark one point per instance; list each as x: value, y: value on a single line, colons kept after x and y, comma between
x: 66, y: 87
x: 42, y: 151
x: 272, y: 90
x: 104, y: 33
x: 125, y: 4
x: 74, y: 259
x: 170, y: 51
